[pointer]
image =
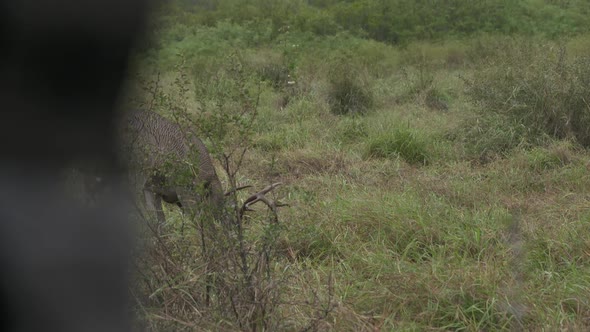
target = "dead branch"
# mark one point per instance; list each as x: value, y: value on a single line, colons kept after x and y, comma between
x: 260, y: 197
x: 236, y: 189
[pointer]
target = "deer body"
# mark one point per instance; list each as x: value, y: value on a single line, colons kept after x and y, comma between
x: 170, y: 165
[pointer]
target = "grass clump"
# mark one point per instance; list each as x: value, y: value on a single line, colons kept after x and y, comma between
x: 351, y: 130
x: 485, y: 137
x: 271, y: 67
x: 347, y: 93
x: 436, y: 100
x: 558, y: 154
x: 275, y: 73
x: 537, y: 87
x: 279, y: 141
x: 404, y: 143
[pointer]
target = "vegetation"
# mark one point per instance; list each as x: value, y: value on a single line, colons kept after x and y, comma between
x: 434, y: 158
x: 395, y: 21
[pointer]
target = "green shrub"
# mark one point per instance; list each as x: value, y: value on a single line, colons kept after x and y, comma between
x: 537, y: 87
x: 405, y: 143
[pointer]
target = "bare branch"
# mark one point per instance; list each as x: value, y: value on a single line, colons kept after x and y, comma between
x: 236, y: 189
x: 260, y: 197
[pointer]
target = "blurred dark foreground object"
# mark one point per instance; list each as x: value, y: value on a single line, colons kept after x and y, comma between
x: 63, y: 264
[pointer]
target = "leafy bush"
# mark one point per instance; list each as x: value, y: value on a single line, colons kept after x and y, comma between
x: 537, y: 87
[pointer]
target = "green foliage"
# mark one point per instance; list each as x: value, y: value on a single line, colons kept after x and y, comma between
x: 313, y: 243
x: 393, y: 21
x: 399, y: 21
x: 352, y: 130
x: 348, y: 97
x: 472, y: 231
x: 348, y: 94
x: 486, y: 47
x: 436, y: 100
x: 401, y: 142
x: 228, y: 104
x: 557, y: 155
x: 271, y: 67
x: 561, y: 17
x: 559, y: 250
x: 217, y: 266
x: 287, y: 138
x: 320, y: 22
x: 487, y: 136
x: 202, y: 46
x: 537, y: 87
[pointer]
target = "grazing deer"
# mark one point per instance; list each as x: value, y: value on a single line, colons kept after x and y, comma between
x: 169, y: 164
x: 172, y: 165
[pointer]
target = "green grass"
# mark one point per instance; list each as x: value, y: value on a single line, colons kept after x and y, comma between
x: 400, y: 142
x: 407, y: 217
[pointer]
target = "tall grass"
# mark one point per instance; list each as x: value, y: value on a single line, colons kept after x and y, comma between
x: 402, y: 216
x: 539, y: 88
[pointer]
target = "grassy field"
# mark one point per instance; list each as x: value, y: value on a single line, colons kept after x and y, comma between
x: 436, y: 186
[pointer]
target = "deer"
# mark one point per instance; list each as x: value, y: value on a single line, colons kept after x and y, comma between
x: 173, y: 165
